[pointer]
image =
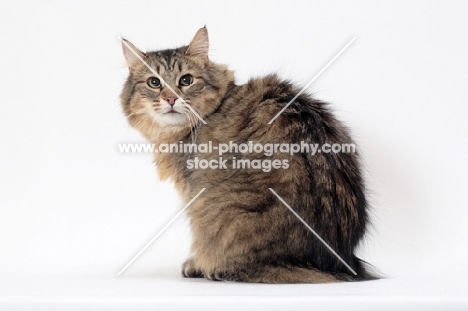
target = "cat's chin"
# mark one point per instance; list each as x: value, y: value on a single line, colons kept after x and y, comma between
x: 171, y: 119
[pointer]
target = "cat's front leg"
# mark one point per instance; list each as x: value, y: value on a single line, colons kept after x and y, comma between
x: 189, y: 270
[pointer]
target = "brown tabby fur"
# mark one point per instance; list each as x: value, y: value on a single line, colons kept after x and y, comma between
x: 241, y: 231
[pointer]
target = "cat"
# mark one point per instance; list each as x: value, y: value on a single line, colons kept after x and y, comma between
x: 241, y: 229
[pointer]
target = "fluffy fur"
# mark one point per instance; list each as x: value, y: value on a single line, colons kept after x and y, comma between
x: 241, y: 231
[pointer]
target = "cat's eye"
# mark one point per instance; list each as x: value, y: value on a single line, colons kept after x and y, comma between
x: 186, y: 80
x: 154, y: 82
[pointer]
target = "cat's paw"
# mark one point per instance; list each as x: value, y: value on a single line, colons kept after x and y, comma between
x: 189, y: 270
x: 221, y: 275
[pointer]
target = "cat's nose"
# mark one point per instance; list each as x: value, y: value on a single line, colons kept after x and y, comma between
x: 171, y: 100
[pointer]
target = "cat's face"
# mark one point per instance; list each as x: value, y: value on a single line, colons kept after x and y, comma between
x: 181, y: 84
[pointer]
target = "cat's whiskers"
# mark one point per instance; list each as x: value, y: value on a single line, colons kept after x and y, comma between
x: 152, y: 124
x: 194, y: 109
x: 140, y: 123
x: 133, y: 114
x: 137, y: 112
x: 194, y: 124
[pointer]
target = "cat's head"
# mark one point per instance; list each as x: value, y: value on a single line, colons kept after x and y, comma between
x: 179, y: 84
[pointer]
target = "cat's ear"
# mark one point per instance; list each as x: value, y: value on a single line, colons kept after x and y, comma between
x: 200, y: 45
x: 131, y: 53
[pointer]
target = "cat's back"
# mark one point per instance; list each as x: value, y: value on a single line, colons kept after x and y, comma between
x: 246, y: 110
x: 260, y: 95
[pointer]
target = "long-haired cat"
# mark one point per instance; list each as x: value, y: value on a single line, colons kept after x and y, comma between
x: 241, y: 230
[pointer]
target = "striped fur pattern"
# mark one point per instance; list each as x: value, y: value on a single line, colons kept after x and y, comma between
x: 241, y: 231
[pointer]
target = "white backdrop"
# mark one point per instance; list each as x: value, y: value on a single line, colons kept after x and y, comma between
x: 72, y: 204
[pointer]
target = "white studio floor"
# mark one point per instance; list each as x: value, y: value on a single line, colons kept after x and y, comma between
x: 171, y: 292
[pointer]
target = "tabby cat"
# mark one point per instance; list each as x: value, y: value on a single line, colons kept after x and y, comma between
x: 241, y: 230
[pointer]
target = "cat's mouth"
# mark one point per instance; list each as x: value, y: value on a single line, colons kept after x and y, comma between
x: 171, y: 111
